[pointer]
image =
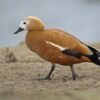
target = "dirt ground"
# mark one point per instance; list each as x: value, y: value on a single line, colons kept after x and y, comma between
x: 19, y: 66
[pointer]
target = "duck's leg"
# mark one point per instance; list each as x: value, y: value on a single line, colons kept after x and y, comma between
x: 74, y: 75
x: 48, y: 77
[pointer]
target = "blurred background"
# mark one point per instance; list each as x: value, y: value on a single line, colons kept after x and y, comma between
x: 18, y: 66
x: 80, y: 17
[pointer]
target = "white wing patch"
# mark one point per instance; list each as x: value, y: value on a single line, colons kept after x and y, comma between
x: 56, y: 45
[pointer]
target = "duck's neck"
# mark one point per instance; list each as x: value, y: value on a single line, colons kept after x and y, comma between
x: 33, y: 39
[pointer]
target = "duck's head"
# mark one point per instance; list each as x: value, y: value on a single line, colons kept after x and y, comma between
x: 30, y: 23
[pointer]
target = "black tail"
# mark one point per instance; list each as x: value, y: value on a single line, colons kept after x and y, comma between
x: 94, y: 51
x: 95, y: 56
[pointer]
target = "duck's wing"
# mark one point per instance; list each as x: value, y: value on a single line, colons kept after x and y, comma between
x: 67, y: 43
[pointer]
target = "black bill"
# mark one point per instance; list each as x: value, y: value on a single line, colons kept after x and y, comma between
x: 19, y: 30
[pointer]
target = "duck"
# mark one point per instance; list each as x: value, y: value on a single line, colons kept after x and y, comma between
x: 56, y: 46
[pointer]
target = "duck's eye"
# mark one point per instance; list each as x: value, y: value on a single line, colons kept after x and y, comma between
x: 24, y: 22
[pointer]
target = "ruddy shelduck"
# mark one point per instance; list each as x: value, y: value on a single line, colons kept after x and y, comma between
x: 56, y: 46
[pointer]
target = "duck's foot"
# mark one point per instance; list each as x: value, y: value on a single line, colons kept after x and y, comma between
x: 75, y: 76
x: 49, y: 74
x: 44, y: 78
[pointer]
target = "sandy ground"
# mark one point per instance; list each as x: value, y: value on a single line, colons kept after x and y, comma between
x: 19, y: 66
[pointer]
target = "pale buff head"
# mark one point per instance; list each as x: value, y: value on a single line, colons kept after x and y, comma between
x: 30, y: 23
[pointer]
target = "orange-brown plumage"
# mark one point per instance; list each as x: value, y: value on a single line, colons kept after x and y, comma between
x: 37, y: 42
x: 56, y: 46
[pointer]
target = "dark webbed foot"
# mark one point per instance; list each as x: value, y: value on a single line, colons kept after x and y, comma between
x: 75, y: 76
x: 44, y: 78
x: 48, y: 77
